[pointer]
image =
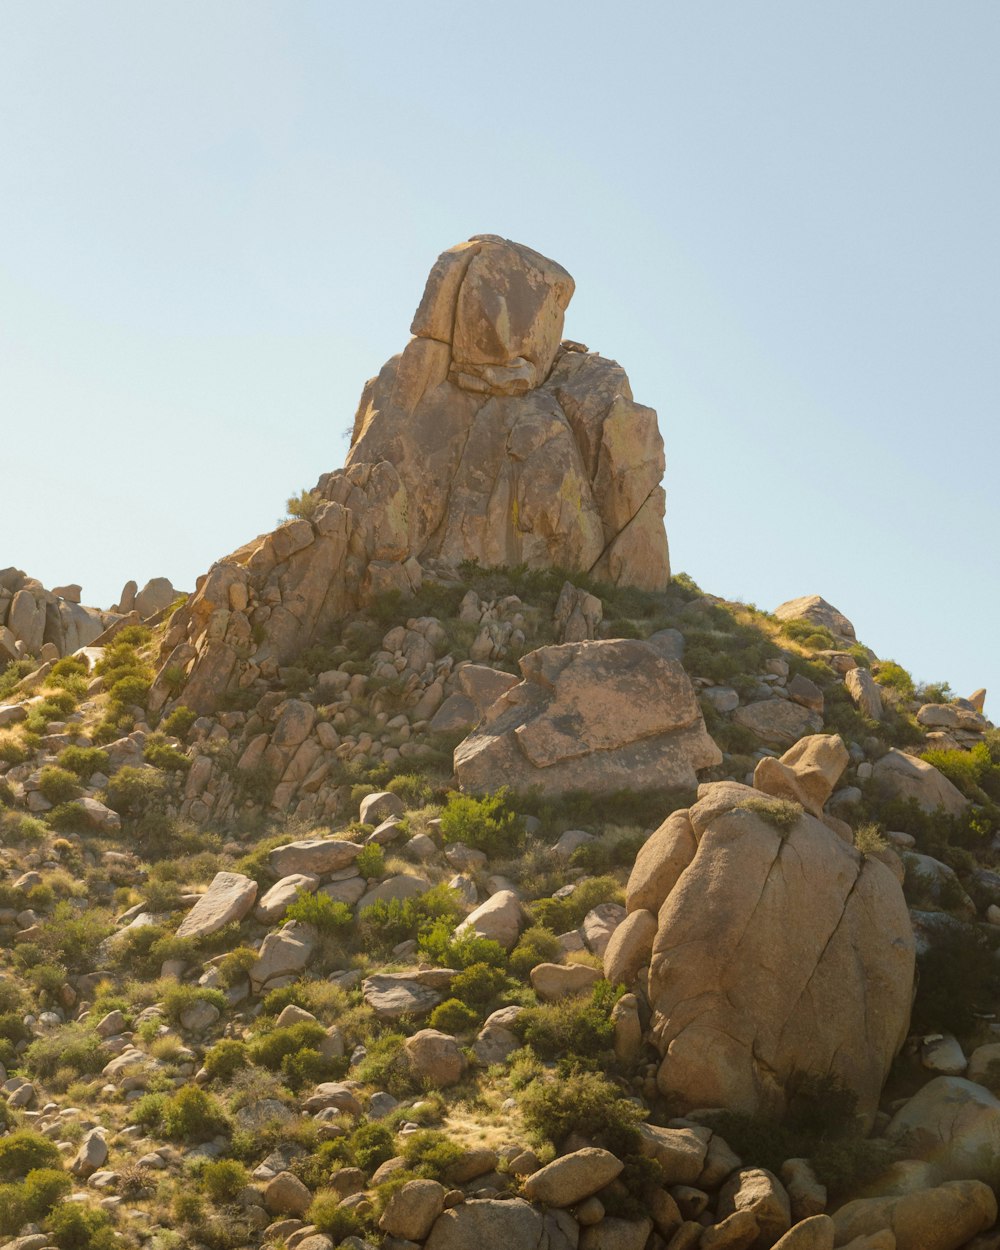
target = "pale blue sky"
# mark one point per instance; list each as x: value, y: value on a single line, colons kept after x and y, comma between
x: 216, y: 217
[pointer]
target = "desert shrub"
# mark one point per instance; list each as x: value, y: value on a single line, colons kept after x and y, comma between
x: 438, y: 944
x: 73, y: 1226
x: 70, y: 1049
x: 536, y: 945
x: 968, y: 770
x: 561, y: 914
x: 429, y: 1153
x: 178, y: 998
x: 135, y: 792
x: 178, y: 723
x: 935, y: 692
x: 58, y: 785
x: 452, y: 1016
x: 868, y: 839
x: 325, y: 914
x: 603, y: 854
x: 371, y: 1145
x: 781, y: 815
x: 582, y: 1102
x: 478, y: 984
x: 329, y: 1217
x: 386, y: 1065
x: 270, y: 1049
x: 12, y: 751
x: 31, y: 1200
x: 412, y: 788
x: 19, y: 829
x: 12, y: 673
x: 809, y: 634
x: 57, y: 705
x: 161, y: 754
x: 235, y: 965
x: 222, y: 1179
x: 304, y: 505
x: 225, y: 1059
x: 84, y: 761
x: 895, y: 677
x: 130, y: 691
x: 192, y: 1116
x: 488, y: 824
x: 25, y: 1151
x: 72, y: 937
x: 255, y: 785
x: 386, y: 923
x: 371, y: 860
x: 579, y: 1026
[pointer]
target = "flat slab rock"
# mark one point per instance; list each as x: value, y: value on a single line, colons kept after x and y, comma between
x: 229, y: 898
x: 391, y: 995
x: 600, y: 716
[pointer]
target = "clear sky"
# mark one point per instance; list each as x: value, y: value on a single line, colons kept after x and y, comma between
x: 216, y: 218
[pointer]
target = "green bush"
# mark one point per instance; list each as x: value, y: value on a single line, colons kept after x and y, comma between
x: 19, y: 829
x: 371, y: 861
x: 386, y: 923
x: 325, y: 914
x: 487, y: 824
x: 371, y: 1145
x: 25, y: 1151
x: 809, y: 634
x: 331, y: 1218
x: 452, y: 1016
x: 225, y: 1059
x: 579, y: 1026
x: 72, y: 1226
x: 479, y: 984
x: 958, y: 980
x: 178, y: 723
x: 536, y: 945
x: 304, y: 505
x: 84, y: 761
x: 12, y: 751
x: 429, y: 1153
x: 161, y: 754
x: 135, y: 792
x: 30, y: 1200
x: 582, y: 1102
x: 386, y: 1066
x: 72, y: 937
x: 178, y: 998
x: 895, y: 677
x: 192, y: 1116
x: 72, y: 1048
x: 562, y: 914
x: 58, y: 785
x: 130, y: 691
x: 781, y: 815
x: 439, y: 945
x: 271, y: 1048
x: 12, y: 673
x: 222, y: 1179
x: 969, y: 770
x: 415, y: 790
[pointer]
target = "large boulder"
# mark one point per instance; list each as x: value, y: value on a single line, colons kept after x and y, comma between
x: 814, y: 608
x: 780, y: 951
x: 805, y: 774
x: 906, y: 777
x: 598, y: 716
x: 228, y: 899
x: 572, y: 1177
x: 954, y: 1124
x: 488, y: 1222
x: 930, y: 1219
x: 778, y: 722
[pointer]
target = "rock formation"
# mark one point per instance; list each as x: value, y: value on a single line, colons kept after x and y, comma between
x: 598, y: 716
x: 780, y: 950
x: 487, y: 439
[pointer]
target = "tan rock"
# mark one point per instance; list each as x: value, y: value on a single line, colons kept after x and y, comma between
x: 600, y: 716
x: 680, y: 1152
x: 660, y: 861
x: 778, y: 722
x: 816, y: 609
x: 630, y: 947
x: 778, y: 951
x: 572, y: 1177
x: 864, y: 692
x: 932, y: 1219
x: 978, y: 699
x: 229, y: 898
x: 760, y: 1193
x: 314, y: 857
x: 614, y: 1233
x: 500, y: 918
x: 437, y: 1058
x: 906, y: 777
x: 286, y: 1195
x: 816, y: 1232
x: 954, y: 1124
x: 282, y: 894
x: 282, y: 953
x: 737, y: 1231
x: 411, y: 1211
x: 510, y: 1224
x: 807, y: 773
x: 554, y: 981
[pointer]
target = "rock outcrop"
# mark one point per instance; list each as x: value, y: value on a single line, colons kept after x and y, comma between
x: 598, y: 716
x: 487, y: 439
x: 814, y: 608
x: 781, y: 951
x: 32, y: 617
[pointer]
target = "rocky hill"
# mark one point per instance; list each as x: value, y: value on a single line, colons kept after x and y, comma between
x: 442, y: 873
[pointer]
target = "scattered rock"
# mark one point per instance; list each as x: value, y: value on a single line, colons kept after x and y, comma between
x: 229, y: 898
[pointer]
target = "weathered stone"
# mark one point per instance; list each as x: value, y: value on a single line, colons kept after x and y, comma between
x: 391, y: 995
x: 864, y: 692
x: 381, y: 806
x: 500, y: 918
x: 738, y: 1231
x: 815, y: 1232
x: 816, y: 609
x: 943, y: 1218
x: 91, y: 1155
x: 600, y: 716
x: 554, y: 981
x: 282, y: 953
x: 229, y: 898
x: 282, y: 894
x: 630, y: 947
x: 778, y: 951
x: 572, y: 1177
x: 759, y: 1192
x: 412, y: 1210
x: 487, y: 1222
x: 660, y: 861
x: 953, y: 1124
x: 314, y: 857
x: 778, y: 722
x: 807, y: 773
x: 435, y: 1057
x: 286, y: 1195
x: 680, y: 1152
x: 614, y: 1233
x: 906, y: 777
